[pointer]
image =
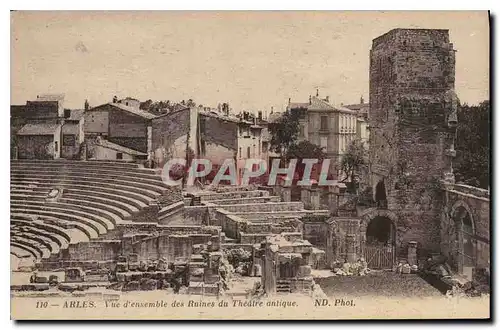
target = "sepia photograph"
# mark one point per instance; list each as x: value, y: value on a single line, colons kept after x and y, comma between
x: 250, y: 165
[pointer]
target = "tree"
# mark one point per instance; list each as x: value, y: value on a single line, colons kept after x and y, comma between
x: 472, y: 164
x: 284, y: 132
x: 352, y: 161
x: 305, y: 150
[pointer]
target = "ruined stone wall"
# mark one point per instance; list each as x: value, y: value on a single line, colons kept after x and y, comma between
x: 170, y: 133
x: 265, y: 207
x: 474, y: 202
x: 316, y: 233
x: 219, y: 139
x: 411, y: 76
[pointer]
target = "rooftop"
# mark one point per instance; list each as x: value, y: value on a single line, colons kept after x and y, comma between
x: 38, y: 129
x: 135, y: 111
x: 113, y: 146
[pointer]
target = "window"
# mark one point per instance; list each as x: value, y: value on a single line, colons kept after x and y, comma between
x: 254, y: 150
x: 56, y: 146
x: 119, y: 155
x: 69, y: 140
x: 324, y: 123
x: 240, y: 152
x: 248, y: 152
x: 324, y: 142
x: 67, y: 113
x: 301, y: 131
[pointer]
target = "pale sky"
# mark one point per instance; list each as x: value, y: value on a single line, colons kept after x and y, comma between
x: 253, y: 60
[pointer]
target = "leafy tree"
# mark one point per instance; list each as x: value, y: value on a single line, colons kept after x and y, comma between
x: 472, y: 164
x: 284, y: 132
x: 352, y: 161
x: 306, y: 150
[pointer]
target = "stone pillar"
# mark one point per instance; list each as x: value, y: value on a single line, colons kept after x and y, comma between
x: 150, y: 142
x: 315, y: 199
x: 412, y: 253
x: 268, y: 268
x: 305, y: 196
x: 286, y: 194
x: 350, y: 241
x: 333, y: 199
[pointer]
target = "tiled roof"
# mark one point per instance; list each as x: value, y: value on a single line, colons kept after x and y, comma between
x: 298, y: 105
x: 135, y: 111
x: 117, y: 147
x: 38, y: 129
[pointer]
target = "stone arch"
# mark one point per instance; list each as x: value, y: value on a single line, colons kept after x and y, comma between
x: 462, y: 238
x: 455, y: 208
x: 370, y: 214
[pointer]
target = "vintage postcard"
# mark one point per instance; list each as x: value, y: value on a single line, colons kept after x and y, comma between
x: 250, y: 165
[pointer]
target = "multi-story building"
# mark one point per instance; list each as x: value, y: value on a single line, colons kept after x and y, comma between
x: 331, y: 127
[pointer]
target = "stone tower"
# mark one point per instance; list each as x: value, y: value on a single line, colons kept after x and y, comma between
x: 412, y: 127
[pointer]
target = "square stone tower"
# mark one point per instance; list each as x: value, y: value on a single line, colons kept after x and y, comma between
x: 412, y: 127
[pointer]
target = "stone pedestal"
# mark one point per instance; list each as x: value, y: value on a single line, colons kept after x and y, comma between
x: 412, y: 253
x: 351, y: 248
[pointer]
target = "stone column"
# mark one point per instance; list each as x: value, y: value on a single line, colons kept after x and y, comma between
x: 286, y: 194
x: 350, y: 241
x: 412, y: 253
x: 305, y: 196
x: 333, y: 199
x: 315, y: 199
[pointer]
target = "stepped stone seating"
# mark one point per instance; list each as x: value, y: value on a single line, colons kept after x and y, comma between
x: 95, y: 197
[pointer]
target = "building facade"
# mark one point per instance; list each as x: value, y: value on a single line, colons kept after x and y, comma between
x: 331, y: 127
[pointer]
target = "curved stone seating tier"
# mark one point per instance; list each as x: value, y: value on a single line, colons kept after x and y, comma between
x: 81, y: 197
x: 66, y: 162
x: 113, y: 217
x: 81, y: 232
x: 82, y: 168
x: 137, y: 186
x: 19, y: 253
x: 61, y: 242
x: 120, y: 212
x: 121, y: 192
x: 44, y: 242
x: 39, y: 225
x: 40, y: 250
x: 28, y: 249
x: 97, y: 195
x: 149, y: 175
x: 62, y: 214
x: 98, y: 222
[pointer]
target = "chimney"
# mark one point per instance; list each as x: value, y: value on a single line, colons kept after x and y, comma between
x: 317, y: 92
x: 115, y: 99
x: 289, y: 100
x: 86, y: 105
x: 362, y: 100
x: 327, y: 99
x: 309, y: 99
x: 259, y: 116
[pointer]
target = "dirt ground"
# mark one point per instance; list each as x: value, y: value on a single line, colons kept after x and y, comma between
x: 385, y: 284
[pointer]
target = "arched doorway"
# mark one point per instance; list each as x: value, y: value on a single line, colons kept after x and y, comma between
x: 380, y: 248
x: 380, y: 195
x: 463, y: 243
